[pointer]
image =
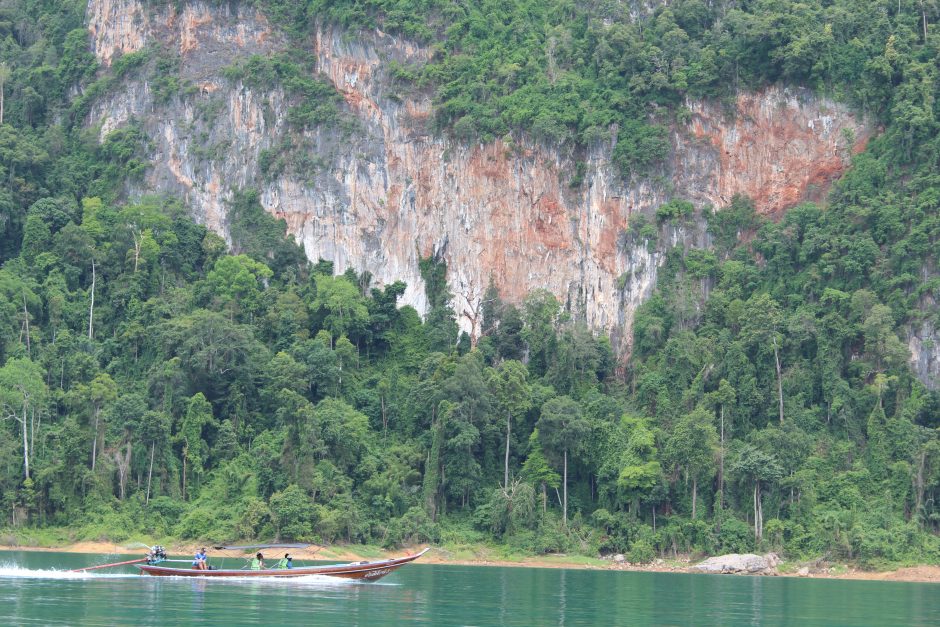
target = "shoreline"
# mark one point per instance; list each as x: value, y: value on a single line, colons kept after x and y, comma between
x: 923, y: 573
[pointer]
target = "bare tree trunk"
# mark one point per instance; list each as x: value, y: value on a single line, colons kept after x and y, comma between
x: 184, y: 474
x: 5, y: 72
x: 32, y: 429
x: 25, y: 311
x: 694, y: 495
x: 756, y: 527
x: 153, y: 446
x: 25, y: 444
x: 923, y: 13
x: 123, y: 462
x: 919, y: 487
x: 126, y: 470
x: 779, y: 378
x: 384, y: 417
x: 474, y: 315
x: 721, y: 457
x: 138, y: 242
x: 443, y: 507
x: 91, y: 308
x: 94, y: 443
x: 564, y: 506
x: 506, y: 464
x: 758, y: 513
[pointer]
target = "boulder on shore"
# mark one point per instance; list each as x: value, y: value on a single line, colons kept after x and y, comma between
x: 745, y: 564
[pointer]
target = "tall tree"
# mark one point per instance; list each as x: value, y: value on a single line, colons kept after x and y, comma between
x: 754, y: 465
x: 344, y: 432
x: 541, y: 313
x: 761, y: 322
x: 102, y: 391
x: 190, y: 435
x: 155, y: 431
x: 724, y: 397
x: 510, y: 386
x: 537, y: 470
x: 640, y: 468
x: 22, y: 399
x: 691, y: 446
x: 341, y: 306
x: 4, y: 77
x: 125, y: 418
x: 562, y: 429
x: 238, y: 283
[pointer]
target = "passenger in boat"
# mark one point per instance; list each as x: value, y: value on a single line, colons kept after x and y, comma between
x: 258, y: 562
x: 286, y: 562
x: 199, y: 561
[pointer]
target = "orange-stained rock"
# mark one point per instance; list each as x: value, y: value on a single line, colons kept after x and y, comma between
x: 116, y: 27
x: 381, y: 197
x: 780, y: 147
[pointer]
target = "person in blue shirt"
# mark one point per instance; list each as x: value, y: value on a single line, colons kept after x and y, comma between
x: 199, y: 561
x: 286, y: 562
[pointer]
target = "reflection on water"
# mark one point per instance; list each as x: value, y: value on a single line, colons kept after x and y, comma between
x: 198, y: 587
x: 35, y: 589
x: 757, y: 599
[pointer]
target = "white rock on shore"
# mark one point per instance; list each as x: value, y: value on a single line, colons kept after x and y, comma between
x: 747, y: 564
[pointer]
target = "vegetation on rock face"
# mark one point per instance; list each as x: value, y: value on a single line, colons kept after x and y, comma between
x: 578, y: 73
x: 153, y: 382
x: 316, y: 99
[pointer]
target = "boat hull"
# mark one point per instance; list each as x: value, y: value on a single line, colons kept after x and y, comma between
x: 366, y: 571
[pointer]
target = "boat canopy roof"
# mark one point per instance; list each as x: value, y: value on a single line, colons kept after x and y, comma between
x: 261, y: 546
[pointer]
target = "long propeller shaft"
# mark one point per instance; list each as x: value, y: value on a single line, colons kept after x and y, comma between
x: 79, y: 570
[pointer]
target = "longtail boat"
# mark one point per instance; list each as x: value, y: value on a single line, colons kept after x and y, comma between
x: 367, y: 571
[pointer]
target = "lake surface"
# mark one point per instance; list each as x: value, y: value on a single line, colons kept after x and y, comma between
x: 34, y: 590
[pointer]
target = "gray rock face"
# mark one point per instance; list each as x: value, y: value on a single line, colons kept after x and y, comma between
x: 391, y: 191
x: 745, y: 564
x: 924, y: 345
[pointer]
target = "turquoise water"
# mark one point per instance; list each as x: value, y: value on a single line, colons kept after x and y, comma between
x: 34, y: 590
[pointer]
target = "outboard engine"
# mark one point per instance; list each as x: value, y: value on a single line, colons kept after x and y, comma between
x: 156, y: 555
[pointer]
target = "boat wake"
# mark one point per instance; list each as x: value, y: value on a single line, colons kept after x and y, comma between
x: 12, y: 570
x: 320, y: 581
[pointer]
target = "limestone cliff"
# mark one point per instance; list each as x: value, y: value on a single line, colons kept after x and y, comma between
x: 924, y: 346
x: 391, y: 191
